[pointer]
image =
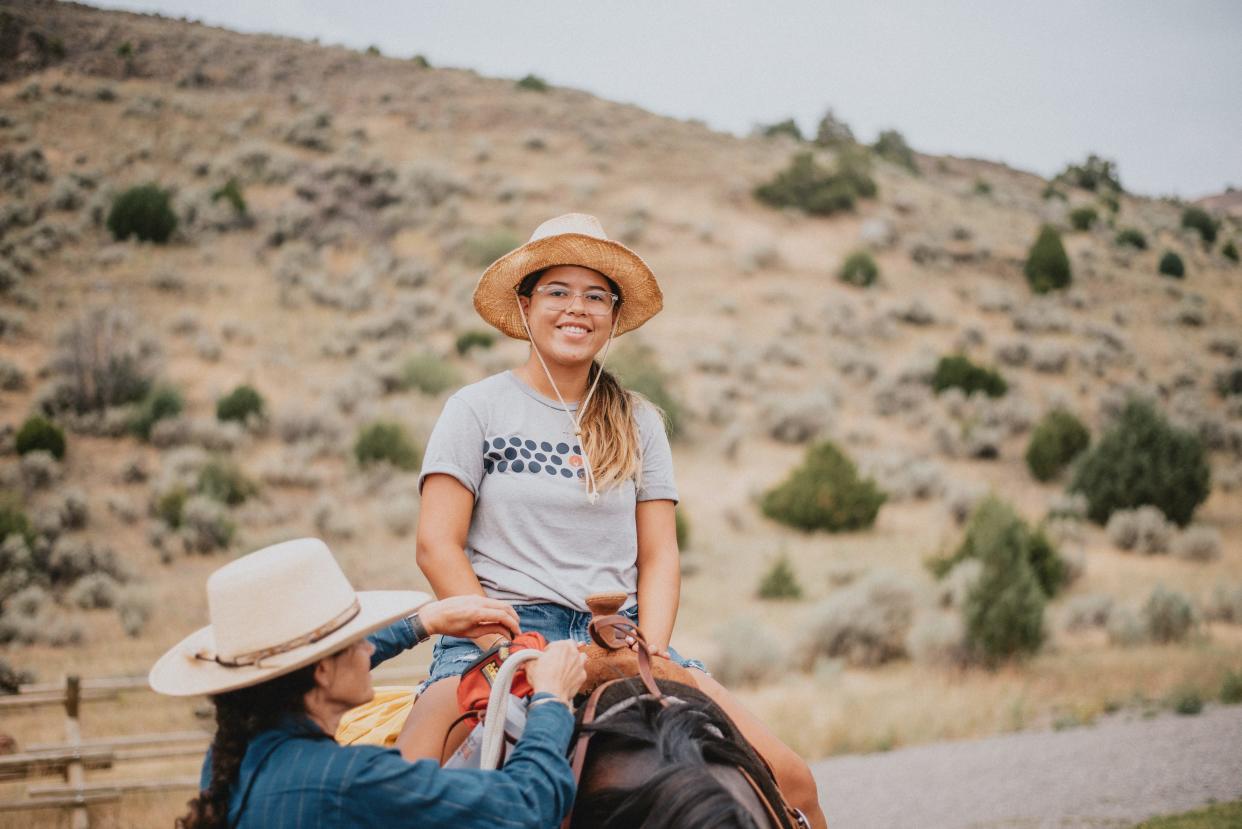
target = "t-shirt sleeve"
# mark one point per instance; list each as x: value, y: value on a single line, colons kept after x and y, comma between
x: 657, y: 481
x: 456, y: 446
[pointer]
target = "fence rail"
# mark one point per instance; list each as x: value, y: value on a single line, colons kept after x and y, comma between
x: 75, y: 756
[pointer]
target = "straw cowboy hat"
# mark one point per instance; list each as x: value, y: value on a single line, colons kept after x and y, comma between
x: 274, y: 611
x: 572, y: 239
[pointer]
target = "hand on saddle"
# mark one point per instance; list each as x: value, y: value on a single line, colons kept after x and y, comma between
x: 470, y: 616
x: 653, y: 649
x: 560, y: 671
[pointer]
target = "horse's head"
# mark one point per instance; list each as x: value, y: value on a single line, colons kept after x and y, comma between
x: 675, y: 762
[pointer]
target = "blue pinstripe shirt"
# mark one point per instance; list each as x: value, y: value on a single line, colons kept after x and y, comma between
x: 295, y: 775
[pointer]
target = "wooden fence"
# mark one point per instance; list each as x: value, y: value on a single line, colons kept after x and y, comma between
x: 72, y: 759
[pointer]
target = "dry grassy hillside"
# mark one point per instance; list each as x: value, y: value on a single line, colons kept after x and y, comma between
x: 376, y: 189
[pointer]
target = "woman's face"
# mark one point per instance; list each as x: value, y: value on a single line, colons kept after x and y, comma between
x: 574, y: 334
x: 347, y: 678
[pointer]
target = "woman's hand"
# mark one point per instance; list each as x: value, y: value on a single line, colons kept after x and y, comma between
x: 560, y: 670
x: 470, y: 616
x: 654, y: 650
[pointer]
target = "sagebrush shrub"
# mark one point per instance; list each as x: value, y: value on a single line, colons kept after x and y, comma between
x: 1095, y: 174
x: 958, y: 372
x: 866, y: 623
x: 824, y: 493
x: 100, y: 362
x: 1083, y: 218
x: 860, y: 269
x: 160, y: 402
x: 1196, y: 218
x: 1168, y: 615
x: 428, y: 374
x: 469, y: 340
x: 94, y: 591
x: 39, y: 433
x: 892, y: 145
x: 750, y: 653
x: 1143, y: 459
x: 1131, y: 237
x: 1144, y: 530
x: 780, y: 581
x: 205, y: 525
x: 1047, y: 264
x: 832, y: 132
x: 1004, y: 611
x: 1198, y: 543
x: 1056, y: 440
x: 807, y: 185
x: 787, y: 127
x: 386, y: 442
x: 240, y: 404
x: 145, y: 212
x: 638, y: 369
x: 1171, y: 265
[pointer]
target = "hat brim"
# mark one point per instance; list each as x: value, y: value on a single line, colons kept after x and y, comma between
x: 494, y: 297
x: 180, y: 673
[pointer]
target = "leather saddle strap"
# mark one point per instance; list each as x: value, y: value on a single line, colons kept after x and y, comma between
x: 618, y: 627
x: 584, y: 738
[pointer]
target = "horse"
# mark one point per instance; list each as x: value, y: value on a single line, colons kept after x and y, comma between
x: 654, y: 752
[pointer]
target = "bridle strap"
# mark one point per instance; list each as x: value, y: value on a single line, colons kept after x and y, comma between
x: 610, y: 632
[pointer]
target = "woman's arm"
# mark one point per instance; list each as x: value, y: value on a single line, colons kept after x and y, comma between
x: 659, y: 571
x: 440, y: 547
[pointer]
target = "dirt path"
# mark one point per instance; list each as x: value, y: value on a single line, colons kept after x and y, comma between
x: 1113, y: 774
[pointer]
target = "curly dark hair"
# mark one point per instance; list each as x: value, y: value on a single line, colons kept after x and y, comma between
x: 240, y: 716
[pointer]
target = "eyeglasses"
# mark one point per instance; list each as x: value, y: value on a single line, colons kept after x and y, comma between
x: 596, y: 302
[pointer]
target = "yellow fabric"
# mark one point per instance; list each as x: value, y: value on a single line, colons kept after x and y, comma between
x: 379, y: 721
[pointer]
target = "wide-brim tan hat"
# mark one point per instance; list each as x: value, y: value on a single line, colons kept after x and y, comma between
x: 274, y: 611
x: 572, y: 239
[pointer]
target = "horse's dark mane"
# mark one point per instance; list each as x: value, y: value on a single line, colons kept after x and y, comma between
x: 687, y: 738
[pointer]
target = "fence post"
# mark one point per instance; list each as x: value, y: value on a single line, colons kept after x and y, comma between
x: 75, y: 774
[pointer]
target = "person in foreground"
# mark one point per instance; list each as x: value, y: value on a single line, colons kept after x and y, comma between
x: 549, y: 483
x: 290, y: 648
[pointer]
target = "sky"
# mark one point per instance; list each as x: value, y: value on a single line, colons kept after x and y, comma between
x: 1154, y: 86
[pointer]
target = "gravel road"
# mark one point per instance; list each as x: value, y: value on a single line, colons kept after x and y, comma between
x: 1113, y: 774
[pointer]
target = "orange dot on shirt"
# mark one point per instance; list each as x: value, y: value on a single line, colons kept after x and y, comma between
x: 575, y: 461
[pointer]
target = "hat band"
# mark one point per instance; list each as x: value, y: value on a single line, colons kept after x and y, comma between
x: 254, y: 657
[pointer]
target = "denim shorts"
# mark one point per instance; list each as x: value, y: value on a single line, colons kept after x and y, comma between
x: 453, y: 654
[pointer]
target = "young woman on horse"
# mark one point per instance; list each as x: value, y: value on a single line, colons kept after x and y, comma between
x: 548, y: 483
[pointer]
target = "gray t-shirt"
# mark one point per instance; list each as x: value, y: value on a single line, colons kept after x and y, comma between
x: 533, y: 536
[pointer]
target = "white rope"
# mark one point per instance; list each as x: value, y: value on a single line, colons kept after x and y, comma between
x: 592, y: 487
x: 497, y: 705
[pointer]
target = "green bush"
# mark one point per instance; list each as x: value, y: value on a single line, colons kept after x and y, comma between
x: 807, y: 185
x: 486, y: 249
x: 982, y: 187
x: 161, y: 402
x: 1056, y: 440
x: 469, y: 340
x: 40, y: 433
x: 1171, y: 265
x: 994, y: 518
x: 1186, y: 701
x: 780, y: 582
x: 1047, y: 265
x: 1196, y: 218
x: 428, y: 374
x: 533, y: 83
x: 1231, y: 688
x: 1083, y: 218
x: 13, y: 520
x: 1229, y: 381
x: 240, y: 404
x: 232, y: 193
x: 958, y: 372
x: 145, y: 212
x: 1141, y: 460
x: 832, y: 132
x: 1168, y: 615
x: 637, y: 369
x: 1230, y: 251
x: 420, y: 61
x: 891, y: 145
x: 386, y: 442
x: 169, y: 505
x: 860, y: 269
x: 1004, y: 610
x: 787, y: 127
x: 1111, y: 202
x: 682, y: 524
x: 824, y: 493
x: 1052, y: 192
x: 1096, y: 174
x: 1131, y: 237
x: 225, y: 482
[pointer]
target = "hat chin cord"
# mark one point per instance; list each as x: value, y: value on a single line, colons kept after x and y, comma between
x: 592, y: 487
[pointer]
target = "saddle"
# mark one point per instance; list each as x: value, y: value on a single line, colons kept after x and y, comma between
x: 610, y: 657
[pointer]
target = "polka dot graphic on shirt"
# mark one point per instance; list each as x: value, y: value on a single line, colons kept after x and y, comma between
x: 514, y: 454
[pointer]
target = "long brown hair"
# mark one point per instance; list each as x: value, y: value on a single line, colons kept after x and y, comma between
x: 609, y: 430
x: 240, y: 716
